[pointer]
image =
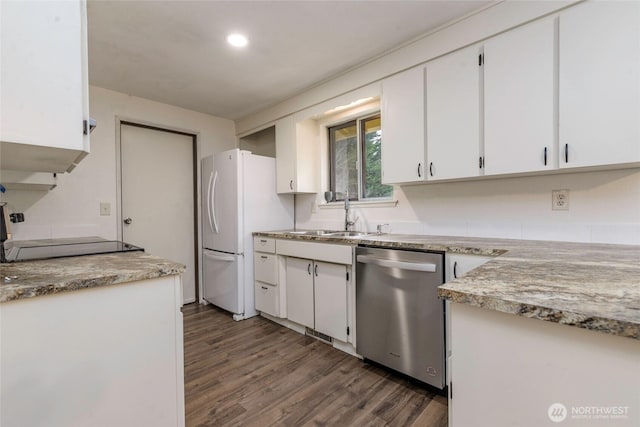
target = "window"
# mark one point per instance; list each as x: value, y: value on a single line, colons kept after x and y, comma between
x: 355, y: 163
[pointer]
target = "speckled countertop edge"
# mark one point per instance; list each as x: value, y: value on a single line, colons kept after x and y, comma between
x: 29, y: 279
x: 590, y: 286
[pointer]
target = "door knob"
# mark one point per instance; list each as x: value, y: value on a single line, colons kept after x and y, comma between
x: 128, y: 220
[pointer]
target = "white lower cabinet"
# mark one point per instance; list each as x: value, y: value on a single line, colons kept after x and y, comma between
x: 317, y: 296
x: 267, y: 289
x: 266, y: 298
x: 497, y: 354
x: 83, y: 357
x: 330, y: 299
x: 300, y: 291
x: 458, y: 265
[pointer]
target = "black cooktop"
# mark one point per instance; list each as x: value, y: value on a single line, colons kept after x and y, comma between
x: 27, y: 250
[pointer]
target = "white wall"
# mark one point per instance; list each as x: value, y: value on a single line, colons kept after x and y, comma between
x: 72, y: 209
x: 603, y: 207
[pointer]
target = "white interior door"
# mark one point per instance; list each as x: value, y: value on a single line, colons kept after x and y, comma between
x: 158, y: 196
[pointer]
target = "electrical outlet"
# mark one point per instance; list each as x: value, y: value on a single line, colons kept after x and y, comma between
x: 105, y: 208
x: 560, y: 200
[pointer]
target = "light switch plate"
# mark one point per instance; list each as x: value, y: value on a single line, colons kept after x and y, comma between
x: 105, y: 208
x: 560, y: 200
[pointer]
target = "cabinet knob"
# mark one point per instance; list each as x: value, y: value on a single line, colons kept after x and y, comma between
x: 127, y: 220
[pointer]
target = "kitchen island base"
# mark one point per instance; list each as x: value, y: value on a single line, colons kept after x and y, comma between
x: 102, y: 356
x: 509, y: 370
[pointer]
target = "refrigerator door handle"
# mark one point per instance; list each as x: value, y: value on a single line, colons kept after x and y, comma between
x: 227, y: 258
x: 214, y: 226
x: 209, y: 200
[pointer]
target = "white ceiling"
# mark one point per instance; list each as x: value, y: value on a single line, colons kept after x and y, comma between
x: 175, y: 51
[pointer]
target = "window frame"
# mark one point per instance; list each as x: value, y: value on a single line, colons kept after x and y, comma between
x: 359, y: 122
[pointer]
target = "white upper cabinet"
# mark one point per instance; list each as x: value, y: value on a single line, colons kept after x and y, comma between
x: 297, y: 156
x: 43, y: 85
x: 519, y: 69
x: 403, y: 127
x: 453, y: 115
x: 599, y: 84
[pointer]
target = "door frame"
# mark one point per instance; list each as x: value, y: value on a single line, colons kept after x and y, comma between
x: 119, y: 121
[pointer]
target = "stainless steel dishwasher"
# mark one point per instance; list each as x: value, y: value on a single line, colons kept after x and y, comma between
x: 399, y: 317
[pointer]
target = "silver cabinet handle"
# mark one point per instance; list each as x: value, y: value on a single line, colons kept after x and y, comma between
x: 291, y: 184
x: 455, y: 270
x: 127, y: 220
x: 309, y: 269
x: 403, y: 265
x: 315, y: 270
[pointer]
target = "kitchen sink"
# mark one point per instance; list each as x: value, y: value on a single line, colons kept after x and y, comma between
x: 312, y: 232
x: 349, y: 234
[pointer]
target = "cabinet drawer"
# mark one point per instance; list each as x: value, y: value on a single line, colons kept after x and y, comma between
x: 264, y: 244
x: 267, y: 298
x: 265, y: 267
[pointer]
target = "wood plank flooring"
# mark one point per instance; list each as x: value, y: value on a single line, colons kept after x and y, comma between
x: 258, y: 373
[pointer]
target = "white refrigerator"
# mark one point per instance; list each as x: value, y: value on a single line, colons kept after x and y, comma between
x: 238, y: 197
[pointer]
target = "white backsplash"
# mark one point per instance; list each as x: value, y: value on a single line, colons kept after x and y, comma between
x: 604, y: 208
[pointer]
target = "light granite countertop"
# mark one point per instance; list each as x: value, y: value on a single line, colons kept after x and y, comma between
x: 591, y: 286
x: 30, y: 279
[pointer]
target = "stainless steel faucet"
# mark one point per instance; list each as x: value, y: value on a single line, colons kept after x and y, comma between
x: 348, y: 224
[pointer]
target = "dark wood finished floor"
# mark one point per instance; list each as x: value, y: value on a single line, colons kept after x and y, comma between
x: 258, y: 373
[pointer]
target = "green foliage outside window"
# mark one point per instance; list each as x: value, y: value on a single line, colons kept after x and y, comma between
x: 347, y: 146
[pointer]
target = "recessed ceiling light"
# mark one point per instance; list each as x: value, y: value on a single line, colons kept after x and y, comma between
x: 237, y: 40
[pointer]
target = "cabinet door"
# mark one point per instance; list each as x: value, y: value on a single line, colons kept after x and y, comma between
x: 599, y: 84
x: 299, y: 279
x: 453, y: 115
x: 403, y: 137
x: 307, y: 157
x: 330, y: 290
x: 42, y: 84
x: 459, y: 265
x: 519, y: 99
x: 285, y: 155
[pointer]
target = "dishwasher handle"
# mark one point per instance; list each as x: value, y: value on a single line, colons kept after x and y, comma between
x: 404, y: 265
